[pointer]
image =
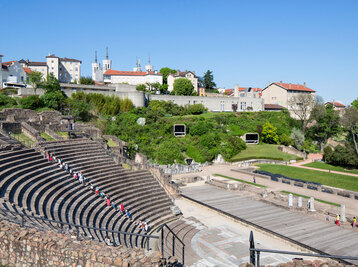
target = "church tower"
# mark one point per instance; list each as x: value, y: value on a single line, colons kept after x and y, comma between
x: 95, y: 67
x: 138, y: 68
x: 107, y: 63
x: 148, y: 68
x: 97, y: 73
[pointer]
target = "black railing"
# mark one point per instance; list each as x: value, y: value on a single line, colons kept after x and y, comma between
x: 31, y: 221
x: 175, y: 237
x: 255, y: 259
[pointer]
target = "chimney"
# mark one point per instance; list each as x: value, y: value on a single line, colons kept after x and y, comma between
x: 289, y: 86
x: 281, y: 83
x: 236, y: 90
x: 27, y: 61
x: 304, y: 84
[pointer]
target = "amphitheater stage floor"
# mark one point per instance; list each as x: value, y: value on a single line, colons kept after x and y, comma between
x: 222, y: 241
x: 303, y: 230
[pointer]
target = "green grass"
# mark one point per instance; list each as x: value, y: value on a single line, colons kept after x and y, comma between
x: 326, y: 166
x: 307, y: 197
x: 239, y: 180
x: 325, y: 178
x: 23, y: 139
x: 63, y: 134
x: 47, y: 137
x: 263, y: 151
x: 111, y: 143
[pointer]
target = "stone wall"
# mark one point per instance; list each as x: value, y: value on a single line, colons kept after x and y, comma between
x: 13, y: 127
x: 31, y: 132
x: 292, y: 150
x: 31, y: 247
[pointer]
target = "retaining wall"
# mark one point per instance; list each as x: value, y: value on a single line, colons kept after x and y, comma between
x: 31, y: 247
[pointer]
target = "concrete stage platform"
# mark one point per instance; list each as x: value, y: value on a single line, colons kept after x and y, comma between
x: 313, y: 234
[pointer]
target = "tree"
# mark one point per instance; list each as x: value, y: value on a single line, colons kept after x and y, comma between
x: 327, y: 123
x: 350, y: 123
x: 298, y: 138
x: 31, y: 102
x: 141, y: 87
x: 166, y: 71
x: 54, y: 99
x: 86, y: 80
x: 355, y: 103
x: 208, y: 80
x: 319, y: 100
x: 183, y: 86
x: 35, y: 79
x: 51, y: 84
x: 301, y: 105
x: 269, y: 134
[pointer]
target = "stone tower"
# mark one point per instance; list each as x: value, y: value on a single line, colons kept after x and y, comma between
x: 107, y: 63
x: 149, y: 67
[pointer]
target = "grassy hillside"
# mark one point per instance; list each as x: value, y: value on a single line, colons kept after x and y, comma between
x: 263, y: 151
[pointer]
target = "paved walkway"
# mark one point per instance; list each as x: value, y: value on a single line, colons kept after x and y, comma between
x: 311, y: 158
x: 309, y: 232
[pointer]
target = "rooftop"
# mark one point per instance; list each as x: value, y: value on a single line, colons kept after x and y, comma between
x: 336, y: 104
x: 295, y: 87
x: 130, y: 73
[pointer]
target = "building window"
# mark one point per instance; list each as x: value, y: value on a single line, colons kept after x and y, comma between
x: 76, y: 69
x: 243, y: 105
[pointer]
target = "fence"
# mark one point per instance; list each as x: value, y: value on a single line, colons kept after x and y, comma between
x: 255, y: 259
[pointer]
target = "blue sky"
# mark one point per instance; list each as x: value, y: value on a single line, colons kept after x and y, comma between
x: 250, y: 43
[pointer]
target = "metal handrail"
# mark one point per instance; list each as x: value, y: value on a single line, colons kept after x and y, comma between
x: 256, y: 260
x: 77, y: 226
x: 175, y: 237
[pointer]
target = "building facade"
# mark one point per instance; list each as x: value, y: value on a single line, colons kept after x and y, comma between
x: 284, y: 93
x: 190, y: 75
x: 247, y: 102
x: 66, y: 70
x: 12, y: 74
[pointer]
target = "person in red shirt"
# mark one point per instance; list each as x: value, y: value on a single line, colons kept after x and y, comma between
x: 108, y: 202
x: 122, y: 208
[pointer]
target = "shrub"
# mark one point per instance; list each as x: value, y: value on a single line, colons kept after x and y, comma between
x: 298, y: 138
x: 31, y: 102
x: 54, y: 99
x: 285, y: 140
x: 197, y: 109
x: 7, y: 101
x: 269, y: 134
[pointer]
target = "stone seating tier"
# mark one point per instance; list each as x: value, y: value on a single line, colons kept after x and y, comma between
x: 32, y: 185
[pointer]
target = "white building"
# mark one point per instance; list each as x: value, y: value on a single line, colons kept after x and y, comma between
x: 66, y: 70
x: 135, y: 77
x: 190, y: 75
x: 132, y: 77
x: 12, y: 74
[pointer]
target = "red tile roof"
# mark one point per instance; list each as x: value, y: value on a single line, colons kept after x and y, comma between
x: 27, y: 70
x: 9, y: 63
x: 273, y: 107
x: 130, y: 73
x: 336, y: 104
x: 295, y: 87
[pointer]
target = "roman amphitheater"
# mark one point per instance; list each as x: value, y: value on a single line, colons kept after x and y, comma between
x: 80, y: 202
